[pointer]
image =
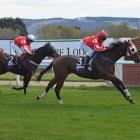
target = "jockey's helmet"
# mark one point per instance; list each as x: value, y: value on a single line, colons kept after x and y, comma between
x: 103, y: 35
x: 31, y: 37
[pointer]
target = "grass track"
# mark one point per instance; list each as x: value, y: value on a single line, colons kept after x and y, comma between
x: 46, y: 77
x: 98, y: 113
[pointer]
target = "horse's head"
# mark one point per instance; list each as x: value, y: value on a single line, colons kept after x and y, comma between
x: 132, y: 51
x: 47, y: 50
x: 50, y: 50
x: 126, y: 48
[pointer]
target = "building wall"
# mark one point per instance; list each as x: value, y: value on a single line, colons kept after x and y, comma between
x: 137, y: 42
x: 131, y: 74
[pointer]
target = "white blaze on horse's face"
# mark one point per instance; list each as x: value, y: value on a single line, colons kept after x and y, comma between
x: 131, y: 49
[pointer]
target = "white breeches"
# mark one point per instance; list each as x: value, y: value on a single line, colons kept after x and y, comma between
x: 16, y: 50
x: 88, y: 50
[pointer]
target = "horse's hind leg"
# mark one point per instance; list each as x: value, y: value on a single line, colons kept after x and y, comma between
x: 50, y: 84
x: 57, y: 91
x: 60, y: 78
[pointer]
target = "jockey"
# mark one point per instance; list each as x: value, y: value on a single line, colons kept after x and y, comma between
x: 92, y: 44
x: 23, y: 45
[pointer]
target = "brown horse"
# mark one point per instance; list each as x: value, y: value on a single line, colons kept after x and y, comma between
x: 102, y: 68
x: 29, y: 64
x: 3, y: 58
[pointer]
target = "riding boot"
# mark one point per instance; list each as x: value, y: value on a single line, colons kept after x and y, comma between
x: 20, y: 64
x: 86, y: 61
x: 17, y: 62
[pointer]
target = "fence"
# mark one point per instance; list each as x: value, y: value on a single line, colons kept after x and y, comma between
x: 127, y: 71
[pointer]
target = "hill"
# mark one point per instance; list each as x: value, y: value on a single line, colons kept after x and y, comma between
x: 85, y: 23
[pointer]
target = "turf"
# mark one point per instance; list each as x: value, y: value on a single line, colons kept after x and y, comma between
x: 98, y: 113
x: 46, y: 77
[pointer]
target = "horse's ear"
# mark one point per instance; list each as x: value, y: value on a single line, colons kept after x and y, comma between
x: 48, y: 44
x: 125, y: 41
x: 128, y: 41
x: 1, y: 50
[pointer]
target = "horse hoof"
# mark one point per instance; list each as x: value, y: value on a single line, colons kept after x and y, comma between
x: 37, y: 98
x: 60, y: 101
x: 131, y: 101
x: 38, y: 78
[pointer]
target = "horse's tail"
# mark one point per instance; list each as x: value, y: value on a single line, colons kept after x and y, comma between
x: 44, y: 71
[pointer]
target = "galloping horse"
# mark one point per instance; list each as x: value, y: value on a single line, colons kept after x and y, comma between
x: 29, y: 65
x: 102, y: 68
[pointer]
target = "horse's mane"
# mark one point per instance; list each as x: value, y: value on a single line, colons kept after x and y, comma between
x: 47, y: 49
x: 48, y: 45
x: 115, y: 44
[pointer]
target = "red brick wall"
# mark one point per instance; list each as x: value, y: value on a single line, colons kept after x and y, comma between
x: 137, y: 42
x: 131, y: 74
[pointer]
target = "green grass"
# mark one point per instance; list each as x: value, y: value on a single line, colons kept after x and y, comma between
x: 46, y: 77
x: 98, y: 113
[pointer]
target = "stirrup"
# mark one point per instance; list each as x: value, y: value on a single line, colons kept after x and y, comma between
x: 86, y: 66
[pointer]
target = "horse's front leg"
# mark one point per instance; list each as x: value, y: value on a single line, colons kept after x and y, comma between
x: 50, y: 84
x: 120, y: 86
x: 18, y: 87
x: 26, y: 80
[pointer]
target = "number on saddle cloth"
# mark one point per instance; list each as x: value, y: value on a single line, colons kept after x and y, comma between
x: 12, y: 60
x: 82, y: 65
x: 80, y: 60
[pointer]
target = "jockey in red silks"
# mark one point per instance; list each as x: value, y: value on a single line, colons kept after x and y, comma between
x: 92, y: 44
x: 23, y: 44
x: 22, y: 47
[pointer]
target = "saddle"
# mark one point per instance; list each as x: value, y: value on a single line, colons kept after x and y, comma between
x: 14, y: 60
x: 81, y: 63
x: 86, y: 61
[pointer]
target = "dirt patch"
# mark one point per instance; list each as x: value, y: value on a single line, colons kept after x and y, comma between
x: 67, y: 84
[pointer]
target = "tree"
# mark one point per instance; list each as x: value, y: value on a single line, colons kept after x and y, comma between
x: 8, y: 33
x: 118, y: 31
x: 69, y: 32
x: 13, y: 27
x: 59, y: 32
x: 21, y: 26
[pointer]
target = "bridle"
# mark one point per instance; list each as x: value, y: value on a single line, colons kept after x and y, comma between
x: 131, y: 49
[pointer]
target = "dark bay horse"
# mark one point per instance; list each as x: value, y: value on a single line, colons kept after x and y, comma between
x: 29, y: 65
x: 102, y: 68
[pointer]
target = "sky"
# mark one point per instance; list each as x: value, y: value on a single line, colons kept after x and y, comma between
x: 38, y: 9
